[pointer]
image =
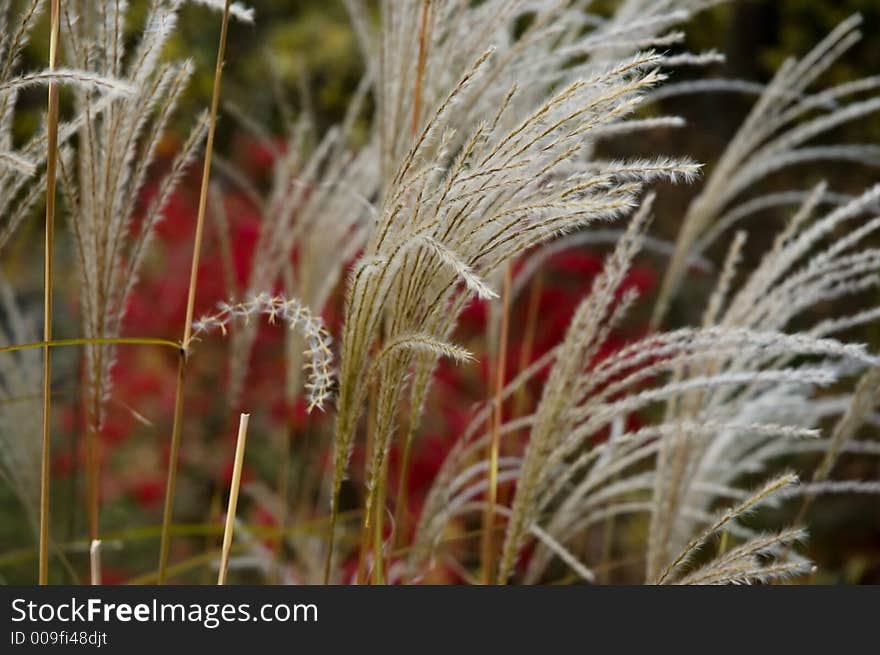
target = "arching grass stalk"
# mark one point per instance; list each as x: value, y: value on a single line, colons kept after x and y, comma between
x: 190, y: 304
x: 51, y: 164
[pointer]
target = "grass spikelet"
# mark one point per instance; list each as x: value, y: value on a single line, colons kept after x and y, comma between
x: 318, y: 355
x: 757, y: 498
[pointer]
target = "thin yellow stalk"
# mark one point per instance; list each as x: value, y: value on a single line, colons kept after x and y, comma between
x: 51, y: 164
x: 168, y: 511
x: 361, y: 576
x: 489, y: 515
x: 190, y: 304
x: 368, y: 510
x: 187, y: 565
x: 56, y: 343
x: 379, y: 529
x: 233, y: 498
x: 525, y: 354
x: 92, y: 470
x: 865, y: 397
x: 95, y: 561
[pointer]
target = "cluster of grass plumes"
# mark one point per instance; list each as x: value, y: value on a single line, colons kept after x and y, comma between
x: 479, y: 154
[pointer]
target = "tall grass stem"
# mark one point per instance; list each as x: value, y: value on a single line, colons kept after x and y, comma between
x: 190, y: 303
x: 51, y: 165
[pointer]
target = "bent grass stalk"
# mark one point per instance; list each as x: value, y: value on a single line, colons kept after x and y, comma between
x: 379, y: 528
x: 190, y: 305
x: 233, y: 498
x: 51, y: 163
